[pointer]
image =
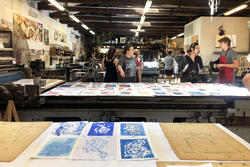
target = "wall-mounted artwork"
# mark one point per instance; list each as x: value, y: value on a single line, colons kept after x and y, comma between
x: 244, y: 63
x: 195, y: 38
x: 232, y: 37
x: 46, y: 37
x: 60, y: 36
x: 123, y: 40
x: 25, y: 28
x: 6, y: 39
x: 5, y: 25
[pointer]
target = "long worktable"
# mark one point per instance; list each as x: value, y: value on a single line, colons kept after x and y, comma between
x: 151, y: 102
x: 159, y: 143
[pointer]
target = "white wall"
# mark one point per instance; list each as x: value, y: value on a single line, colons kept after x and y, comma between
x: 232, y: 25
x: 207, y: 30
x: 21, y: 7
x: 196, y: 31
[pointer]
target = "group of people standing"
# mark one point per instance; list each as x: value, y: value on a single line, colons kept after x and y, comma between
x: 185, y: 67
x: 127, y: 68
x: 188, y: 67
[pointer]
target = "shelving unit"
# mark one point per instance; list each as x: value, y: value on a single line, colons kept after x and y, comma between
x: 6, y: 49
x: 6, y: 53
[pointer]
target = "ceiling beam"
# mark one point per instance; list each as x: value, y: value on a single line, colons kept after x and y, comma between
x: 171, y: 19
x: 120, y: 25
x: 109, y: 19
x: 169, y: 3
x: 152, y: 31
x: 127, y: 11
x: 132, y: 33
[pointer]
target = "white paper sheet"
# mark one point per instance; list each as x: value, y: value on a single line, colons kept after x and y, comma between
x: 95, y: 148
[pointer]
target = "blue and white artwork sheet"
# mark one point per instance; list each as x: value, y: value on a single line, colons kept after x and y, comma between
x: 97, y: 141
x: 95, y: 148
x: 57, y: 147
x: 136, y: 149
x: 132, y: 129
x: 133, y: 142
x: 101, y: 129
x: 67, y: 128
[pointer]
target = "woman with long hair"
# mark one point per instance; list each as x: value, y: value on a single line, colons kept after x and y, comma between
x: 109, y: 62
x: 193, y: 65
x: 127, y: 65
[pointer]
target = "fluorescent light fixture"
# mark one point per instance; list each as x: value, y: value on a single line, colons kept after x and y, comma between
x: 136, y: 34
x: 147, y: 6
x: 74, y: 18
x: 57, y: 5
x: 85, y: 26
x: 136, y: 30
x: 92, y: 32
x: 174, y: 38
x: 145, y: 24
x: 142, y: 19
x: 241, y: 7
x: 180, y: 35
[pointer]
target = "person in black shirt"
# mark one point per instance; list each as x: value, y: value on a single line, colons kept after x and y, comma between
x: 110, y: 63
x: 193, y: 64
x: 181, y: 62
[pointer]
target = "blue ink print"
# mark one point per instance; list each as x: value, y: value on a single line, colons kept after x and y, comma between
x: 96, y: 148
x: 160, y: 93
x: 196, y: 93
x: 178, y: 93
x: 65, y: 86
x: 96, y: 145
x: 101, y: 129
x: 57, y: 147
x: 132, y: 129
x: 70, y: 128
x: 136, y: 149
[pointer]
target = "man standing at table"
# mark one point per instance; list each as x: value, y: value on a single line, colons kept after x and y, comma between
x: 227, y: 62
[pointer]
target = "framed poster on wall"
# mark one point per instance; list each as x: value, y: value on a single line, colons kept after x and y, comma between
x: 46, y: 37
x: 6, y: 38
x: 25, y: 28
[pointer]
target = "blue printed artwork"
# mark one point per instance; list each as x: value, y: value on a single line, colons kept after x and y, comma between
x: 196, y: 93
x: 57, y: 147
x: 96, y: 148
x: 101, y: 129
x: 132, y: 129
x: 65, y: 86
x: 136, y: 149
x: 70, y: 128
x: 160, y: 93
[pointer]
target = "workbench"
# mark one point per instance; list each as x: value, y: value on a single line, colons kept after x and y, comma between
x: 95, y: 102
x: 154, y: 133
x: 49, y: 83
